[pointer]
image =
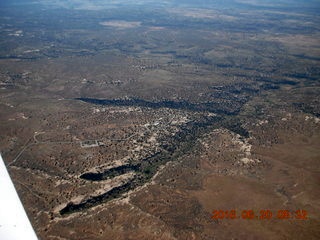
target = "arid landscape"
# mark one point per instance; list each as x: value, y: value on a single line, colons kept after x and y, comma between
x: 139, y: 120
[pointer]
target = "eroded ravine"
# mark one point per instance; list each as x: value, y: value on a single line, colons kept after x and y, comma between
x: 180, y: 144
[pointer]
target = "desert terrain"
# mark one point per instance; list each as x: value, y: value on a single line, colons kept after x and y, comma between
x: 142, y: 120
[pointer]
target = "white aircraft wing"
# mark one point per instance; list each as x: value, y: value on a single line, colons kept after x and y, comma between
x: 14, y: 222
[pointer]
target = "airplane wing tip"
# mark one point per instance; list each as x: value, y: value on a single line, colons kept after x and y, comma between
x: 14, y: 222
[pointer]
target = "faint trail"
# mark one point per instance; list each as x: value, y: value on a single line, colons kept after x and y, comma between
x: 26, y: 145
x: 32, y: 192
x: 35, y: 136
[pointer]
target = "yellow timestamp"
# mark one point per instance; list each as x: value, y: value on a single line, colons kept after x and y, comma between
x: 264, y: 214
